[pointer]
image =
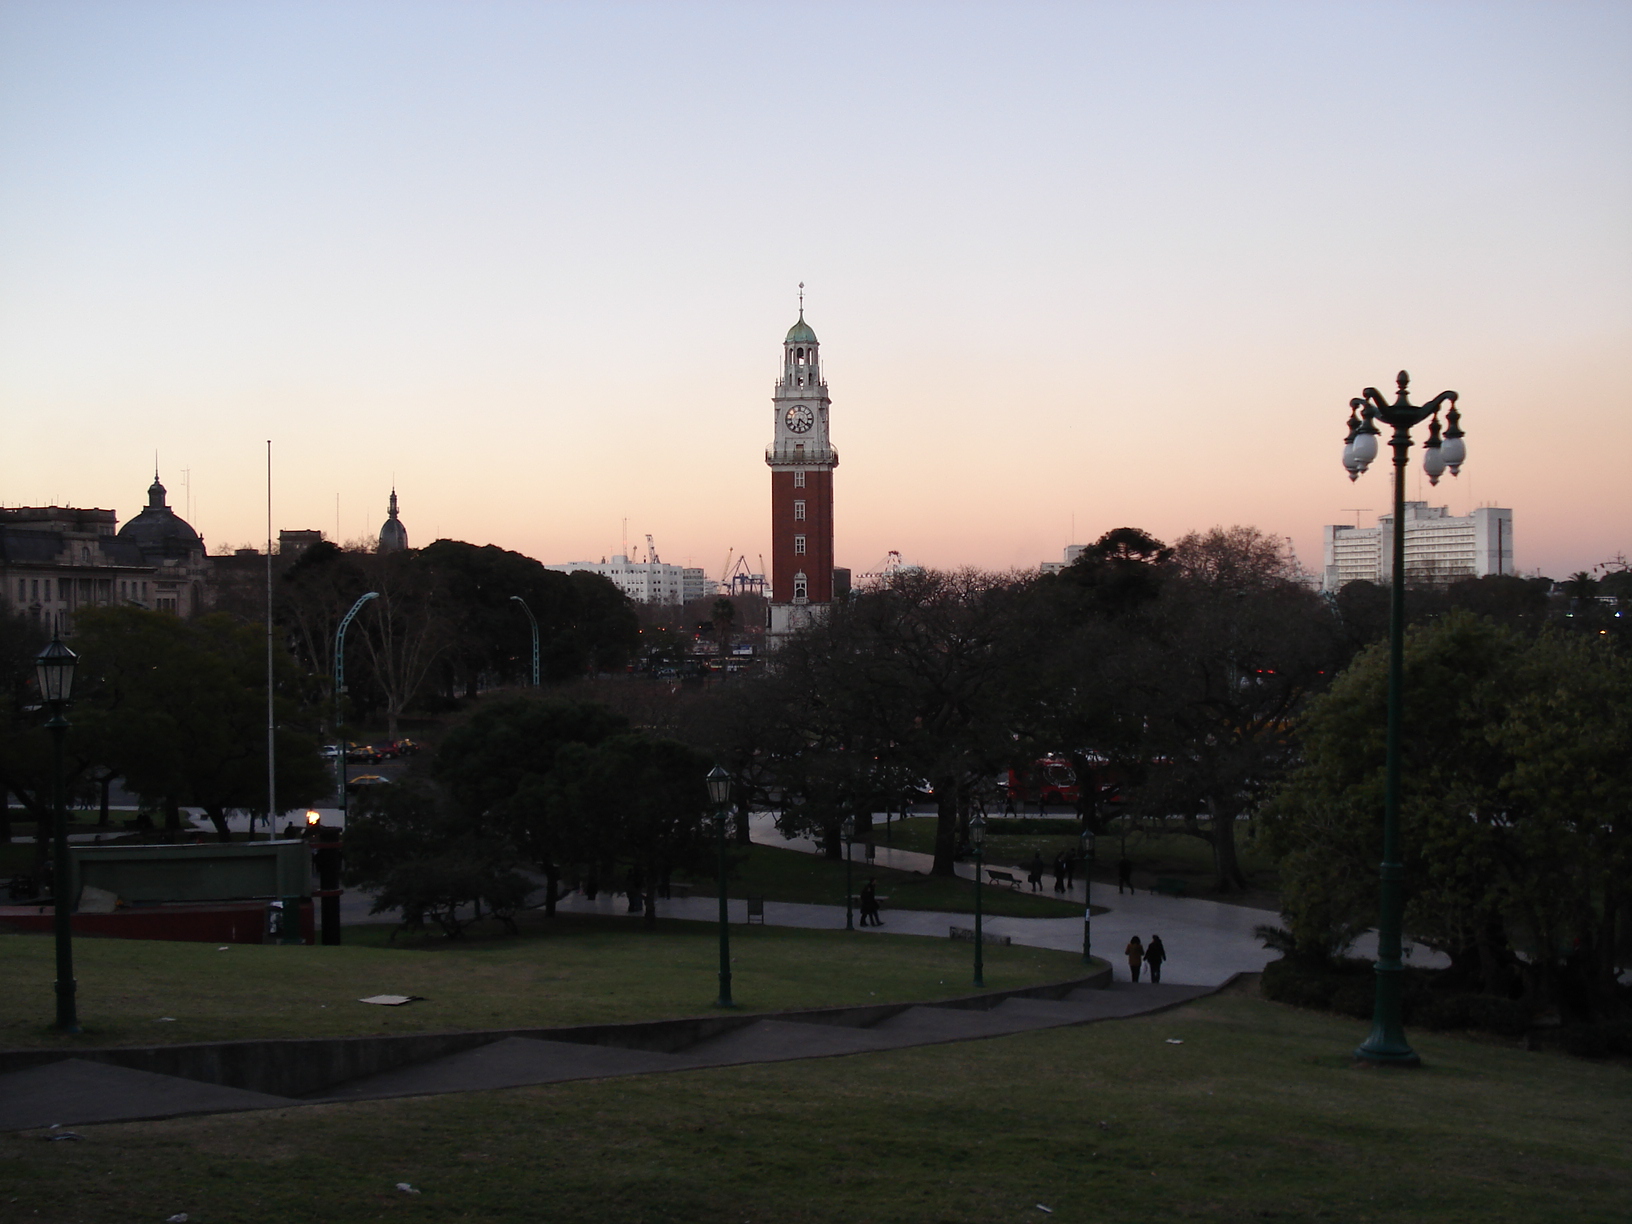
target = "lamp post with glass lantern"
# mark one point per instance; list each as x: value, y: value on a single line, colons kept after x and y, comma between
x: 719, y: 794
x: 1387, y: 1044
x: 977, y: 839
x: 54, y: 668
x: 847, y: 830
x: 1087, y: 896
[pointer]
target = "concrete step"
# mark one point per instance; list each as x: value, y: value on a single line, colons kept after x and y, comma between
x: 77, y: 1091
x: 928, y: 1024
x: 508, y: 1063
x: 774, y: 1040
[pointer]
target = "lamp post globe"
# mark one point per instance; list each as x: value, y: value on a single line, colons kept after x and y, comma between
x: 977, y: 839
x: 54, y: 669
x: 1387, y: 1044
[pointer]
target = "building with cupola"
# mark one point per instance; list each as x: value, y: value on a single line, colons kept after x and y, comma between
x: 56, y: 560
x: 393, y: 535
x: 801, y: 458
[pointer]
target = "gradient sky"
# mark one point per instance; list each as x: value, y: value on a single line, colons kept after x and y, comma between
x: 1095, y: 263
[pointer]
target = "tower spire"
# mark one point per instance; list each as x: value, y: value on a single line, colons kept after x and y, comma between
x: 801, y: 301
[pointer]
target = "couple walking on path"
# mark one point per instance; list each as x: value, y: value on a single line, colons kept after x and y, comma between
x: 1151, y: 956
x: 869, y: 905
x: 1065, y: 870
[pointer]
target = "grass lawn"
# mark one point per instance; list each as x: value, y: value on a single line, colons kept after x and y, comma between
x: 793, y: 875
x: 582, y: 969
x: 1153, y: 853
x: 1257, y: 1115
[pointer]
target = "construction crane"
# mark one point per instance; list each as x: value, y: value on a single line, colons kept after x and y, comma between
x: 651, y: 549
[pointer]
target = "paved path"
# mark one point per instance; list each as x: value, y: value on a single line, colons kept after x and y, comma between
x: 77, y: 1091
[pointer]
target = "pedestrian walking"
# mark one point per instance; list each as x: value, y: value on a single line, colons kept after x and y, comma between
x: 1070, y: 869
x: 1124, y: 875
x: 869, y: 905
x: 1059, y: 873
x: 1034, y: 874
x: 1155, y: 954
x: 1135, y: 952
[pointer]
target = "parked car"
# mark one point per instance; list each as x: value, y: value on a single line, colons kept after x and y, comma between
x: 329, y: 751
x: 362, y: 752
x: 364, y: 781
x: 403, y: 747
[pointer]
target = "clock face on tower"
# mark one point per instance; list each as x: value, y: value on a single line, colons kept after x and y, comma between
x: 800, y: 418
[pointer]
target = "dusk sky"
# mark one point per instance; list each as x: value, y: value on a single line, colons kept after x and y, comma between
x: 1110, y: 264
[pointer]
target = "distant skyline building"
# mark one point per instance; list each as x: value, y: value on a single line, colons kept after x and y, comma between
x: 647, y: 582
x: 801, y: 458
x: 1439, y: 547
x: 393, y: 535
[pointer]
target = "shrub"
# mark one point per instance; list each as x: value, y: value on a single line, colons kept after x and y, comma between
x: 1444, y: 1011
x: 1504, y: 1017
x: 1597, y: 1040
x: 1355, y: 998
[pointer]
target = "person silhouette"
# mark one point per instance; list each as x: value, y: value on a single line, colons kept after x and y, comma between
x: 1135, y: 952
x: 1155, y: 954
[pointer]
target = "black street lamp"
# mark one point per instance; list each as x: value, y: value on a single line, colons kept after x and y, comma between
x: 532, y: 620
x: 719, y: 794
x: 1387, y: 1044
x: 847, y: 830
x: 977, y: 839
x: 54, y: 667
x: 1087, y: 896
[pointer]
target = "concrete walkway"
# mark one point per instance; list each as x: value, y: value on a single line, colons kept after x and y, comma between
x: 78, y: 1091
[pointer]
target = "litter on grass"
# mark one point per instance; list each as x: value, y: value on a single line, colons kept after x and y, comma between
x: 406, y: 1188
x: 222, y: 949
x: 179, y: 1218
x: 393, y: 1000
x: 1175, y: 1041
x: 1050, y: 1210
x: 165, y: 1020
x: 60, y: 1136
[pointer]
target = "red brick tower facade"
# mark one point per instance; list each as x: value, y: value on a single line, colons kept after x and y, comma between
x: 802, y: 459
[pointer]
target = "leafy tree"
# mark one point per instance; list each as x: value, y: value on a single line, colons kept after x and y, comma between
x: 178, y: 709
x: 1515, y: 785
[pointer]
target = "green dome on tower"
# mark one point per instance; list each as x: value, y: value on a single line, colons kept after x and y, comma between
x: 800, y: 332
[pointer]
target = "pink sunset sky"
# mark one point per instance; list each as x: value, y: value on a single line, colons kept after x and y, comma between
x: 1100, y: 264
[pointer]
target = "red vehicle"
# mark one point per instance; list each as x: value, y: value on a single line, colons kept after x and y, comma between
x: 1048, y: 779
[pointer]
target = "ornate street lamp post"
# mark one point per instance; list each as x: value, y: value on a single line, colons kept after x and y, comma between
x: 54, y: 668
x: 1387, y: 1044
x: 977, y: 838
x: 1087, y: 896
x: 533, y: 621
x: 719, y: 794
x: 847, y: 830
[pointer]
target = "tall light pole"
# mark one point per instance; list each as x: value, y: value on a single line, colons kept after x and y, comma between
x: 719, y: 794
x: 340, y: 689
x: 1387, y: 1044
x: 847, y: 830
x: 977, y: 838
x: 1087, y: 896
x: 54, y: 668
x: 532, y: 620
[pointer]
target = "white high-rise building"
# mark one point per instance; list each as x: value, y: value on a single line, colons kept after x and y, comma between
x: 1439, y: 547
x: 651, y: 582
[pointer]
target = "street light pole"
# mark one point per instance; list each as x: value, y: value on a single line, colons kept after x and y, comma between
x: 339, y: 692
x: 847, y: 830
x: 532, y: 620
x: 1387, y: 1044
x: 719, y: 794
x: 977, y: 837
x: 1087, y: 896
x: 54, y: 667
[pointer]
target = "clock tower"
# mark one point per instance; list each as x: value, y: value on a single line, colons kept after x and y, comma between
x: 802, y: 459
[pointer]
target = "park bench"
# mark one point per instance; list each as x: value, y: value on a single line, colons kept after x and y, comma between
x: 1170, y: 886
x: 1003, y: 877
x: 756, y: 909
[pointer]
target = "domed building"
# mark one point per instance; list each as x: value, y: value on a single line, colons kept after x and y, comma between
x: 393, y: 535
x: 168, y: 543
